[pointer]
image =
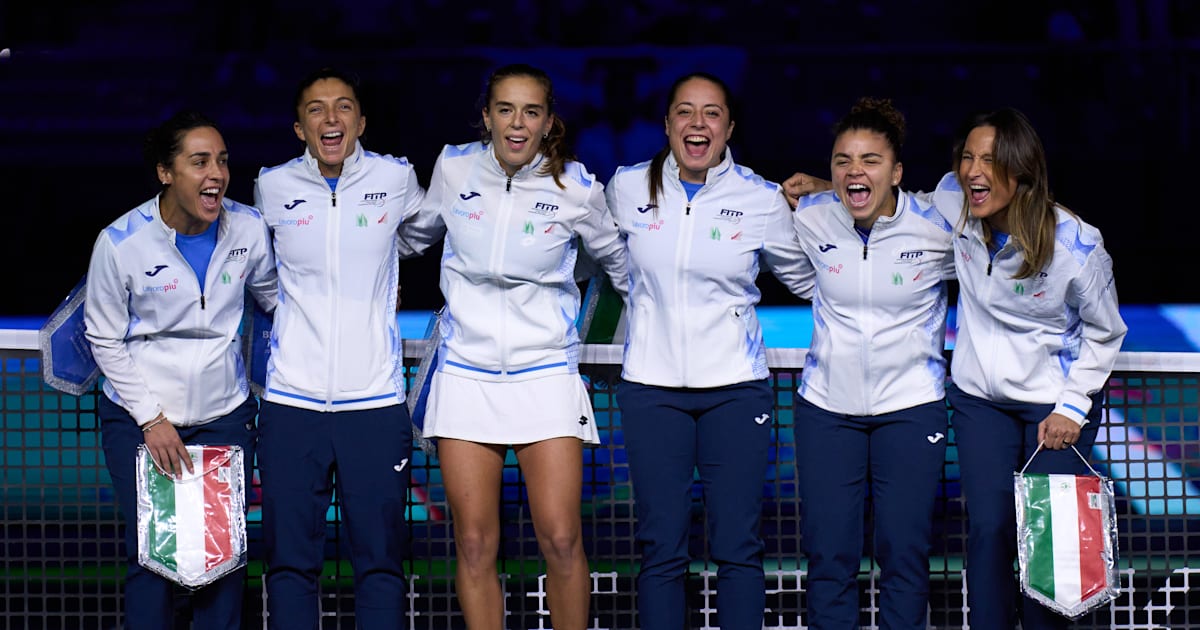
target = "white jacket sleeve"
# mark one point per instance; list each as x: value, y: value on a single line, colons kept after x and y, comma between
x: 1094, y: 293
x: 263, y: 282
x: 106, y: 316
x: 782, y: 253
x: 422, y: 225
x: 602, y: 239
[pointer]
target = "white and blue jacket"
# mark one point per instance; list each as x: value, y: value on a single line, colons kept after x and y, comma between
x: 879, y: 308
x: 164, y: 345
x: 693, y: 266
x: 1049, y: 339
x: 508, y: 262
x: 335, y: 343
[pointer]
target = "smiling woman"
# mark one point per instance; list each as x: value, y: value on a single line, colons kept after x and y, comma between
x: 516, y: 208
x: 152, y: 271
x: 697, y: 226
x: 338, y: 217
x: 330, y: 121
x: 867, y: 423
x: 1039, y: 330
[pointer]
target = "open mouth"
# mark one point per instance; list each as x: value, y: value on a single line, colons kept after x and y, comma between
x: 210, y: 198
x: 696, y: 146
x: 516, y: 143
x: 979, y: 193
x: 857, y: 195
x: 332, y: 138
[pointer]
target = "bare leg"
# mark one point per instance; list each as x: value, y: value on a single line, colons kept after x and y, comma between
x: 553, y: 471
x: 472, y: 473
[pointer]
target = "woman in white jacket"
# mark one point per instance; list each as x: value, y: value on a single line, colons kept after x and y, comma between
x: 165, y: 293
x: 871, y: 420
x: 1038, y: 332
x: 515, y: 207
x: 694, y: 393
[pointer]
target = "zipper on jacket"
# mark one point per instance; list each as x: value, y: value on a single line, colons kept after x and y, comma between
x: 688, y: 210
x: 508, y: 185
x: 333, y: 198
x: 864, y: 251
x: 989, y: 269
x: 202, y: 301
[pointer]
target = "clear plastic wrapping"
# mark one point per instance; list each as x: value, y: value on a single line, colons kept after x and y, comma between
x: 1067, y: 541
x: 192, y: 530
x: 67, y: 362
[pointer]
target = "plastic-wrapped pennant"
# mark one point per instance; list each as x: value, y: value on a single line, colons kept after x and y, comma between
x: 418, y: 393
x: 192, y: 529
x: 67, y: 363
x: 1067, y: 540
x: 602, y: 317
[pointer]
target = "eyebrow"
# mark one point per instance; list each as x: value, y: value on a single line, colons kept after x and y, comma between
x: 206, y: 154
x: 318, y: 101
x: 691, y: 104
x: 865, y: 155
x: 531, y: 106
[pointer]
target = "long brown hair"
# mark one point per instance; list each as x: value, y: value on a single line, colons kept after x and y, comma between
x: 1017, y: 153
x: 660, y: 158
x: 554, y: 145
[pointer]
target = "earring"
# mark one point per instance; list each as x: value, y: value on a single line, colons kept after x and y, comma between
x: 545, y: 136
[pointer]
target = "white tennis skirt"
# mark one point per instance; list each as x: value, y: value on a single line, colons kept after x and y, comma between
x: 515, y: 412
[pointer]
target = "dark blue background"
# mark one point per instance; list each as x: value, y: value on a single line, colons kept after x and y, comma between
x: 1113, y: 87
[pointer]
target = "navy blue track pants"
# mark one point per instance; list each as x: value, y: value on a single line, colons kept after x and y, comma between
x: 897, y: 458
x: 301, y: 455
x: 149, y: 597
x: 724, y: 434
x: 995, y: 439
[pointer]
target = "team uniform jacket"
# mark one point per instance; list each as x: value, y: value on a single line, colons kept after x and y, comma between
x: 693, y: 265
x: 879, y: 309
x: 335, y: 343
x: 1049, y: 339
x: 163, y: 344
x: 508, y: 262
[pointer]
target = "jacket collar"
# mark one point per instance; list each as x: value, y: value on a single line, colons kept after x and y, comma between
x: 156, y: 214
x: 528, y: 170
x: 671, y: 169
x: 349, y: 167
x: 902, y: 201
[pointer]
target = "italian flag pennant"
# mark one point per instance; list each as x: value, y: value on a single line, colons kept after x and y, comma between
x: 192, y: 530
x: 1066, y: 535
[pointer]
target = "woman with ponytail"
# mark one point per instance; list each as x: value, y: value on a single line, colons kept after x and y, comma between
x: 515, y: 207
x: 694, y: 393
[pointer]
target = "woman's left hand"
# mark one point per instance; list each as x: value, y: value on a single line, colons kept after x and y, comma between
x: 1058, y: 431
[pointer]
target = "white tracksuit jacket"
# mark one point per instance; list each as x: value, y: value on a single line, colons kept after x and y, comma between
x: 879, y: 309
x: 1049, y: 339
x: 335, y: 343
x: 162, y: 344
x: 508, y: 262
x: 693, y: 266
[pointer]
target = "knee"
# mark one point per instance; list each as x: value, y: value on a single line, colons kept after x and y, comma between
x: 476, y: 548
x: 745, y: 548
x: 561, y: 546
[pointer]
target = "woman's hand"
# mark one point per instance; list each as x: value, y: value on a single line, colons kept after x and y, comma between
x: 1058, y: 431
x: 800, y: 184
x: 170, y: 455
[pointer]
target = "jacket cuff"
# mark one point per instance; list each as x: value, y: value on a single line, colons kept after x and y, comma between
x: 145, y: 413
x: 1074, y: 407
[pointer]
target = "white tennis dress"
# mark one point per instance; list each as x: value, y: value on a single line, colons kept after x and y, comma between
x: 515, y: 412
